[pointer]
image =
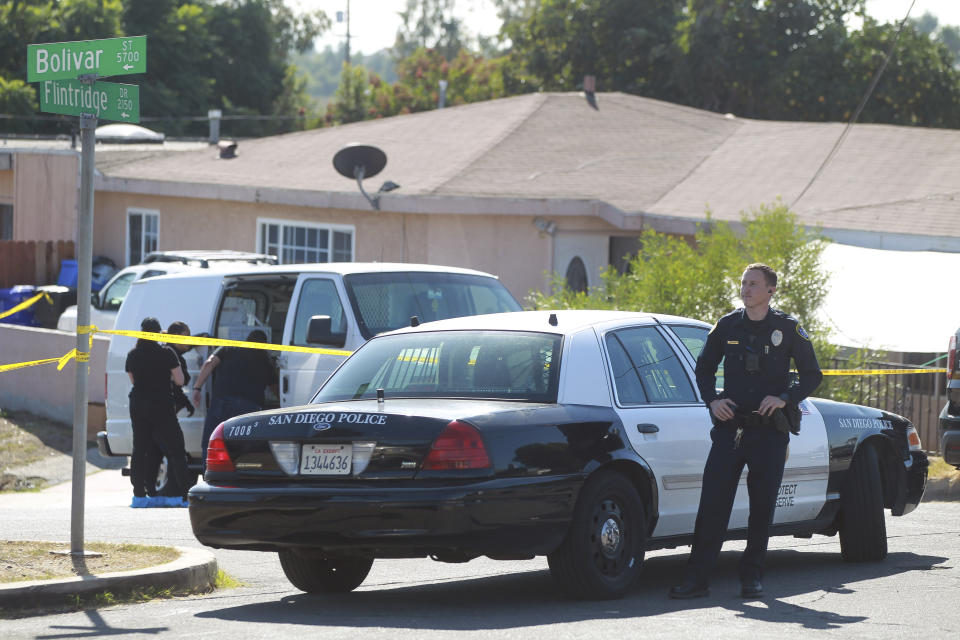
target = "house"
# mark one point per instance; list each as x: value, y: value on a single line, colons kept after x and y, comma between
x: 520, y: 187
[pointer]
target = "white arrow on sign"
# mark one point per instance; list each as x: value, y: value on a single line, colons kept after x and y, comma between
x: 124, y: 115
x: 127, y: 67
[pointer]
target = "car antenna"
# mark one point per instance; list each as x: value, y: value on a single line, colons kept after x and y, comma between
x: 414, y: 321
x: 380, y: 396
x: 552, y: 320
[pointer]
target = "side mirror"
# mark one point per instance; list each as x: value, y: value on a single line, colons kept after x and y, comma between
x: 95, y: 299
x: 319, y: 332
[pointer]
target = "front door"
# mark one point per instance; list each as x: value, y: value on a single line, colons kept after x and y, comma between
x: 664, y: 419
x: 301, y: 374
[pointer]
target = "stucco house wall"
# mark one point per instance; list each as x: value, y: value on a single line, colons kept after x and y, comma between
x: 509, y: 246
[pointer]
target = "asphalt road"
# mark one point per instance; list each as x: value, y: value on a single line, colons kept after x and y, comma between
x: 810, y: 590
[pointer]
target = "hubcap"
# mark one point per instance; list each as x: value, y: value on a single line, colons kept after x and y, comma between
x: 610, y: 537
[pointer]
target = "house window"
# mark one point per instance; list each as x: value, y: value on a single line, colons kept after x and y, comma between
x: 298, y: 242
x: 6, y: 222
x: 142, y: 234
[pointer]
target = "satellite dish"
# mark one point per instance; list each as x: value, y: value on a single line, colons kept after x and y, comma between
x: 359, y: 161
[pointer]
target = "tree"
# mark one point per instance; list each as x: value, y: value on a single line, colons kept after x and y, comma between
x: 254, y: 40
x: 351, y: 101
x: 429, y: 24
x: 19, y: 99
x: 733, y: 52
x: 626, y: 44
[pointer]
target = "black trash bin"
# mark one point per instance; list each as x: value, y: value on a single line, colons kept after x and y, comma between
x: 46, y: 314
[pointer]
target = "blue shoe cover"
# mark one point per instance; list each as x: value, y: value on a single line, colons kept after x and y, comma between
x: 175, y: 501
x: 156, y: 501
x: 140, y: 502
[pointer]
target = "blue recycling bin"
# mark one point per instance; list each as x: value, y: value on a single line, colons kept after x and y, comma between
x: 9, y: 298
x: 68, y: 274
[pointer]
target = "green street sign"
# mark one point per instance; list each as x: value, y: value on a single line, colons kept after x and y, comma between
x: 106, y: 100
x: 69, y: 60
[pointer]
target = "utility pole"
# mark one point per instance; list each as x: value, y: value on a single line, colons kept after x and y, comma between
x: 340, y: 18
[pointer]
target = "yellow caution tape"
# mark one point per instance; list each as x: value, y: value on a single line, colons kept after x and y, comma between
x: 26, y: 303
x: 81, y: 356
x: 84, y: 356
x: 876, y: 372
x: 212, y: 342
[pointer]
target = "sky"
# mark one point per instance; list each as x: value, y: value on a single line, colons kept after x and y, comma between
x: 374, y: 23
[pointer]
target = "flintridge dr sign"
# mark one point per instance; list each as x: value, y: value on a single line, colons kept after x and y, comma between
x: 107, y: 100
x: 70, y: 60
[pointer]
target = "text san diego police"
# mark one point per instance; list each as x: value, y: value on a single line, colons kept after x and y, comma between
x: 349, y: 418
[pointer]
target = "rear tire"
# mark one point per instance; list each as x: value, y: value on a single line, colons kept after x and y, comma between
x: 863, y: 530
x: 316, y: 574
x: 602, y: 554
x: 166, y: 484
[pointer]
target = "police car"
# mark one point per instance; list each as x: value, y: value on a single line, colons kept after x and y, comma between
x: 578, y: 435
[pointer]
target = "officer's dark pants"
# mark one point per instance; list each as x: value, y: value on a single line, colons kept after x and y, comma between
x: 223, y: 409
x: 155, y: 423
x: 763, y: 450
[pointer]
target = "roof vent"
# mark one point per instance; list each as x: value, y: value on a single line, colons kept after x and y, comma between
x: 553, y: 320
x: 228, y: 149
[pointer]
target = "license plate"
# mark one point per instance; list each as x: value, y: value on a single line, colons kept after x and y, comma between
x: 326, y: 459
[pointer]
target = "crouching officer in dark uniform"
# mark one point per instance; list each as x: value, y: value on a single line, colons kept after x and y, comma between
x: 752, y: 419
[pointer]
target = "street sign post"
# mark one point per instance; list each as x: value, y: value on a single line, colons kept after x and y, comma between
x: 70, y: 60
x: 105, y: 100
x: 68, y: 73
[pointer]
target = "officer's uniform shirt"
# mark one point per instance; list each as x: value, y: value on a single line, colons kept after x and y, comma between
x: 150, y: 365
x: 756, y: 356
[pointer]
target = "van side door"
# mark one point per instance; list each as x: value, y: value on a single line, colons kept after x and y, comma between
x: 301, y: 374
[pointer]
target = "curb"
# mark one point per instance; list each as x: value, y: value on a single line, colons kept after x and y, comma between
x: 194, y: 570
x: 941, y: 489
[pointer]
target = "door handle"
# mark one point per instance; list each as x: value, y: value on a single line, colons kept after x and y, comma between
x: 648, y: 428
x: 286, y: 384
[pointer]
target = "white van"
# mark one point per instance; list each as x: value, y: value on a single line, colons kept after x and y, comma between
x: 361, y: 300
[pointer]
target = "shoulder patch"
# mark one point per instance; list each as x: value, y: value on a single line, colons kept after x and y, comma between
x: 802, y: 333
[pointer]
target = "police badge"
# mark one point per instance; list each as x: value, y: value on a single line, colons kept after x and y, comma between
x: 776, y: 337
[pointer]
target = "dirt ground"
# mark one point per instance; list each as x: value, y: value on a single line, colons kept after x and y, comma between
x: 40, y: 561
x: 28, y: 444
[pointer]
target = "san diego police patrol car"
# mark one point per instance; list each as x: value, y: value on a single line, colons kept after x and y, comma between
x: 578, y: 435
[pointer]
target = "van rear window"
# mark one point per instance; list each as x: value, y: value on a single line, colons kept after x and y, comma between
x: 386, y: 301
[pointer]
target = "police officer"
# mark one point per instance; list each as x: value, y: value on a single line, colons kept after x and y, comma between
x: 756, y: 344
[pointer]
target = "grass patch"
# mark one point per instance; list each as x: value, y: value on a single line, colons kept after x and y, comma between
x: 226, y: 581
x: 940, y: 469
x: 31, y: 560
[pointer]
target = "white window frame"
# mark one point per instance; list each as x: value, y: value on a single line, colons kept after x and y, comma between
x: 329, y: 228
x: 144, y: 245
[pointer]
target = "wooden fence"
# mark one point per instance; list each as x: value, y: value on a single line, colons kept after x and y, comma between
x: 29, y: 262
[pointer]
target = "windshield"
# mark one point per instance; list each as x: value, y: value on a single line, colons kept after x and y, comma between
x: 386, y: 301
x: 506, y: 365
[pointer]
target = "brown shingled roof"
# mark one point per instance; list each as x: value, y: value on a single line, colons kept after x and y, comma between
x: 637, y: 155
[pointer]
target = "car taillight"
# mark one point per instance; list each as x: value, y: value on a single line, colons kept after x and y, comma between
x: 459, y: 446
x: 952, y: 357
x: 217, y: 457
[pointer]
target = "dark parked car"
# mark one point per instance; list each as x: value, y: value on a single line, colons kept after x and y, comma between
x: 950, y: 416
x: 578, y: 435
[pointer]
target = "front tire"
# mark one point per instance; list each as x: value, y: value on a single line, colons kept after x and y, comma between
x: 863, y: 530
x: 602, y: 554
x: 317, y: 574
